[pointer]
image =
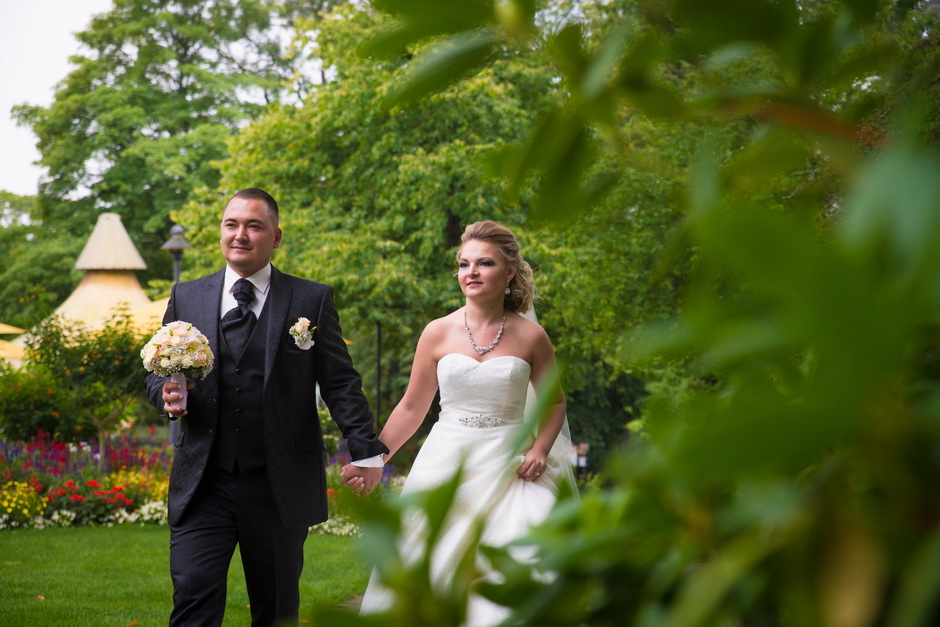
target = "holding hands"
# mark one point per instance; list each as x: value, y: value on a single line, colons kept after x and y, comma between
x: 360, y: 480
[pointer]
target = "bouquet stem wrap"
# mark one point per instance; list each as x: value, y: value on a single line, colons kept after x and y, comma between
x: 180, y: 378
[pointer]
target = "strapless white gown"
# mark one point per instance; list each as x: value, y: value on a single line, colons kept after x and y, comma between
x: 482, y: 414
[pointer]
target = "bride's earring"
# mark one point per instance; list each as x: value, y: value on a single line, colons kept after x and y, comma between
x: 508, y: 291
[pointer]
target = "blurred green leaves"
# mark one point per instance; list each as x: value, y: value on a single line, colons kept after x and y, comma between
x: 793, y: 479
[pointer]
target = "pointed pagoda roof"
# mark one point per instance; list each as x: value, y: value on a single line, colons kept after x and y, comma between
x: 109, y: 260
x: 110, y: 247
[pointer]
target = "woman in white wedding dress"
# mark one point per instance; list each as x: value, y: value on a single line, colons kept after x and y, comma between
x: 482, y: 357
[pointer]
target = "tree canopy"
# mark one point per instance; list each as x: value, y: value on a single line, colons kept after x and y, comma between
x: 145, y: 114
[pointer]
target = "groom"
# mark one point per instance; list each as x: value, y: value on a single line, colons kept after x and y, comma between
x: 248, y: 466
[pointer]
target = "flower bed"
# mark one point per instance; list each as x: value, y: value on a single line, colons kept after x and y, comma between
x: 47, y: 483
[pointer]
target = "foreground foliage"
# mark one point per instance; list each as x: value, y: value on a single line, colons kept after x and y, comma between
x: 795, y: 482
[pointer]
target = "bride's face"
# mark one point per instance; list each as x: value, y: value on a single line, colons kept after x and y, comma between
x: 482, y: 270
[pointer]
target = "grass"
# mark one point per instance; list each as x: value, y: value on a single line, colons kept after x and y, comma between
x: 120, y: 576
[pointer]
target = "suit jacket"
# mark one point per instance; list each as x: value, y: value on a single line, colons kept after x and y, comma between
x: 292, y: 437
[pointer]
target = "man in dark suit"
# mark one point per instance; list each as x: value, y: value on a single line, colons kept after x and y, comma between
x: 249, y: 466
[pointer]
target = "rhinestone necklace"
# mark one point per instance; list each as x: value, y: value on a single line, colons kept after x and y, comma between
x: 482, y: 350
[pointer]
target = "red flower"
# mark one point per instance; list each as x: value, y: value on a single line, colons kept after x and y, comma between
x: 76, y: 497
x: 70, y: 483
x: 91, y: 483
x: 330, y: 491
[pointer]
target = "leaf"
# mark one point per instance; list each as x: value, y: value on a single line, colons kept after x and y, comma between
x: 713, y: 24
x: 920, y: 578
x: 604, y: 62
x: 444, y: 65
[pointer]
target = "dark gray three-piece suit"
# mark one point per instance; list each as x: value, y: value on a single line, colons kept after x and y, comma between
x: 249, y: 464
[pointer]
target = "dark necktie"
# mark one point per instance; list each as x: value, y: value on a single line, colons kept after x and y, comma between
x: 238, y: 322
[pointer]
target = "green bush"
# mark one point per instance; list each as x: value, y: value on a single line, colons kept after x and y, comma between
x: 31, y: 401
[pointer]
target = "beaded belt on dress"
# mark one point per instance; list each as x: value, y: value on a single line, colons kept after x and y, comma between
x: 481, y: 422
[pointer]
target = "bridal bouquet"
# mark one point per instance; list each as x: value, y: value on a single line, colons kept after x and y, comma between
x: 178, y: 351
x: 178, y: 347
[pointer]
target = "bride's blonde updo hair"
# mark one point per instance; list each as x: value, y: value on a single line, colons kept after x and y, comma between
x: 522, y: 285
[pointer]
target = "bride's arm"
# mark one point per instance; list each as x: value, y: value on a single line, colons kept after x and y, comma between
x: 543, y: 363
x: 413, y: 406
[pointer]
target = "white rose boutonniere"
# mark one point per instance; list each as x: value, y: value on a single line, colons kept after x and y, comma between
x: 302, y: 333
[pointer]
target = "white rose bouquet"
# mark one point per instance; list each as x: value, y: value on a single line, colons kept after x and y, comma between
x: 302, y: 333
x: 179, y: 351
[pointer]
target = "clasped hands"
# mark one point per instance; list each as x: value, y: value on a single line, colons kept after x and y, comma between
x: 360, y: 480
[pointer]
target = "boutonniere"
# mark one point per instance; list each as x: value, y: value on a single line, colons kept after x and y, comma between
x: 302, y: 333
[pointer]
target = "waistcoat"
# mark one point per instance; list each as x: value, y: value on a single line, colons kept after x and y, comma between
x: 239, y: 439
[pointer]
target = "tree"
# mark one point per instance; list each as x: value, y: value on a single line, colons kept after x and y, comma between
x: 38, y: 273
x: 141, y: 121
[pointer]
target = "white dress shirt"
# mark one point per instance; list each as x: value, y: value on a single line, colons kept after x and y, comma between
x: 260, y: 280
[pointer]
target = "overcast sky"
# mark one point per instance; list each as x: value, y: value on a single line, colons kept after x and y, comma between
x: 37, y: 37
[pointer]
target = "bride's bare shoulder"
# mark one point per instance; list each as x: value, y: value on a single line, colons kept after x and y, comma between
x: 528, y: 326
x: 438, y: 328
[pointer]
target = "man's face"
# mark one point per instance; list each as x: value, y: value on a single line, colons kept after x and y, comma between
x: 249, y: 235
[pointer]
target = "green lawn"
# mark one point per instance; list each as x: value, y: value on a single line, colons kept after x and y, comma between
x: 100, y: 576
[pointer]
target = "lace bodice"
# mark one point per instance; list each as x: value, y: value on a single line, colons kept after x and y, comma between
x: 483, y: 394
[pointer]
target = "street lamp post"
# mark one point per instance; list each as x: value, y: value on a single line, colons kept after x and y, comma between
x: 176, y: 245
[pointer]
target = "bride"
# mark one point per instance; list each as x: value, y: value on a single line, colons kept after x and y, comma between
x: 482, y: 357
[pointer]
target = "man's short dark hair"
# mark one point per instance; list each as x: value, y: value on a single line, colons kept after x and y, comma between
x: 253, y: 193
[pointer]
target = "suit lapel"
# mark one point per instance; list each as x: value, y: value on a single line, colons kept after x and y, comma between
x: 278, y: 304
x: 211, y: 297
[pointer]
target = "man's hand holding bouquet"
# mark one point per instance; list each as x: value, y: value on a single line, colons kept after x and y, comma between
x: 178, y: 351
